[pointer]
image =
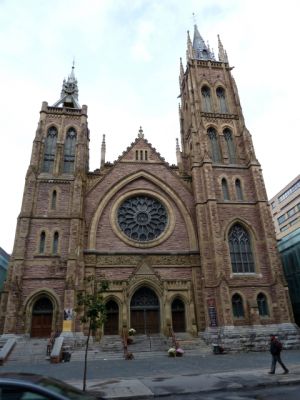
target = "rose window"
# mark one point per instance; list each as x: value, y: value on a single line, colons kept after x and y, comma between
x: 142, y: 218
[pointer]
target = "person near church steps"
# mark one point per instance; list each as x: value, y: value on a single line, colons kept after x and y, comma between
x: 275, y: 350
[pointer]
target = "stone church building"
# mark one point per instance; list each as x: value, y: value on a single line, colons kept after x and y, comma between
x: 189, y: 248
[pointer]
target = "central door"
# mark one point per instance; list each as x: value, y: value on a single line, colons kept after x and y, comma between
x: 144, y: 311
x: 41, y: 322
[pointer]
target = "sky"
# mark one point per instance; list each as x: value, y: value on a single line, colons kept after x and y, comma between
x: 127, y: 65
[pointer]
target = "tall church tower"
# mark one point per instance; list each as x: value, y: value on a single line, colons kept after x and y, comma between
x: 242, y: 283
x: 48, y: 244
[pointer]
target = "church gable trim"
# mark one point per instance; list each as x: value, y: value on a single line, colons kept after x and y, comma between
x: 170, y: 192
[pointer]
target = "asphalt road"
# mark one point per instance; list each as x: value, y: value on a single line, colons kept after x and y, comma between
x: 156, y: 366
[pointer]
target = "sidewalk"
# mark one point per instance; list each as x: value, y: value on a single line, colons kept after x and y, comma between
x: 148, y: 388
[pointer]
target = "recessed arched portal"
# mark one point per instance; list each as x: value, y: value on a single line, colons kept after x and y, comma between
x: 178, y: 316
x: 41, y: 321
x: 144, y: 311
x: 111, y: 325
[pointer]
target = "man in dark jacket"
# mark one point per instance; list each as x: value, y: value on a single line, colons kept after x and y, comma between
x: 275, y: 350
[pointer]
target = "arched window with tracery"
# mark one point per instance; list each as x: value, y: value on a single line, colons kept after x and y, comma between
x: 225, y: 189
x: 237, y: 306
x: 50, y: 149
x: 214, y: 143
x: 222, y: 100
x: 238, y: 189
x: 240, y: 250
x: 230, y: 145
x: 55, y: 243
x: 206, y: 98
x: 262, y: 304
x: 69, y: 151
x: 42, y: 242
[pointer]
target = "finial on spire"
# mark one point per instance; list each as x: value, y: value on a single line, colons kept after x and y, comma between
x: 177, y: 146
x: 141, y: 133
x: 181, y: 74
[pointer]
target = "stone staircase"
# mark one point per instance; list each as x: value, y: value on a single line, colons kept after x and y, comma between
x: 29, y: 350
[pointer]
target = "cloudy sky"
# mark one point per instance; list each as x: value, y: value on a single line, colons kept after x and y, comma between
x: 127, y: 64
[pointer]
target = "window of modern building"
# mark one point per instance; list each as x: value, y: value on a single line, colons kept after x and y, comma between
x: 289, y: 191
x: 240, y: 250
x: 42, y: 242
x: 214, y: 143
x: 50, y: 149
x: 53, y: 200
x: 281, y: 219
x: 284, y: 228
x: 238, y: 190
x: 237, y: 306
x: 262, y: 304
x: 222, y: 100
x: 206, y: 98
x: 69, y: 151
x: 230, y: 145
x: 55, y: 243
x: 225, y: 189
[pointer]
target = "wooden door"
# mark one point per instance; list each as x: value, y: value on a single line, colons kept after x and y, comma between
x: 41, y: 325
x: 41, y: 320
x: 111, y: 325
x: 144, y: 311
x: 178, y: 316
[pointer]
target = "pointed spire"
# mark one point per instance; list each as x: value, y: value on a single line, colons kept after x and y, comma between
x: 69, y: 92
x: 222, y: 53
x: 189, y: 52
x: 141, y: 133
x: 201, y: 50
x: 103, y: 151
x: 181, y: 71
x: 178, y: 153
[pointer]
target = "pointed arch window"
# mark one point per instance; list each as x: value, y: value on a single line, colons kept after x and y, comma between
x: 230, y: 145
x: 240, y: 250
x: 50, y: 149
x: 214, y: 143
x: 225, y: 189
x: 206, y: 98
x: 42, y: 242
x: 237, y: 306
x: 55, y: 243
x: 222, y: 100
x: 69, y: 151
x: 262, y: 304
x: 53, y: 200
x: 238, y: 189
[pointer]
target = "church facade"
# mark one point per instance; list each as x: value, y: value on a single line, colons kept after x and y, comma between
x: 189, y: 248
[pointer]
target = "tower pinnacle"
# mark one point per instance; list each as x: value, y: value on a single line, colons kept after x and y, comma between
x: 69, y: 92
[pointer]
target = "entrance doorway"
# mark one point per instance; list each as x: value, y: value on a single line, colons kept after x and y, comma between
x: 144, y: 311
x: 111, y: 325
x: 41, y: 322
x: 178, y: 316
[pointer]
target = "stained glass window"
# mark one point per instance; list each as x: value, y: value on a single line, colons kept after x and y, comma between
x: 215, y: 149
x: 262, y: 303
x: 230, y: 145
x: 222, y: 100
x: 50, y: 150
x: 206, y: 98
x: 240, y: 250
x: 237, y: 306
x: 142, y: 218
x: 69, y: 151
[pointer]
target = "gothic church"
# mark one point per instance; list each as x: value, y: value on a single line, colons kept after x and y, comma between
x: 189, y: 248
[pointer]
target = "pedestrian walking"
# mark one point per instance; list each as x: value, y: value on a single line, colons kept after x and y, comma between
x: 275, y: 350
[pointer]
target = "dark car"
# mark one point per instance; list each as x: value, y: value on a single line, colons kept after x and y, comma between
x: 23, y: 386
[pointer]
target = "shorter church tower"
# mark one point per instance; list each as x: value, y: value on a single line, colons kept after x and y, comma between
x: 46, y: 262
